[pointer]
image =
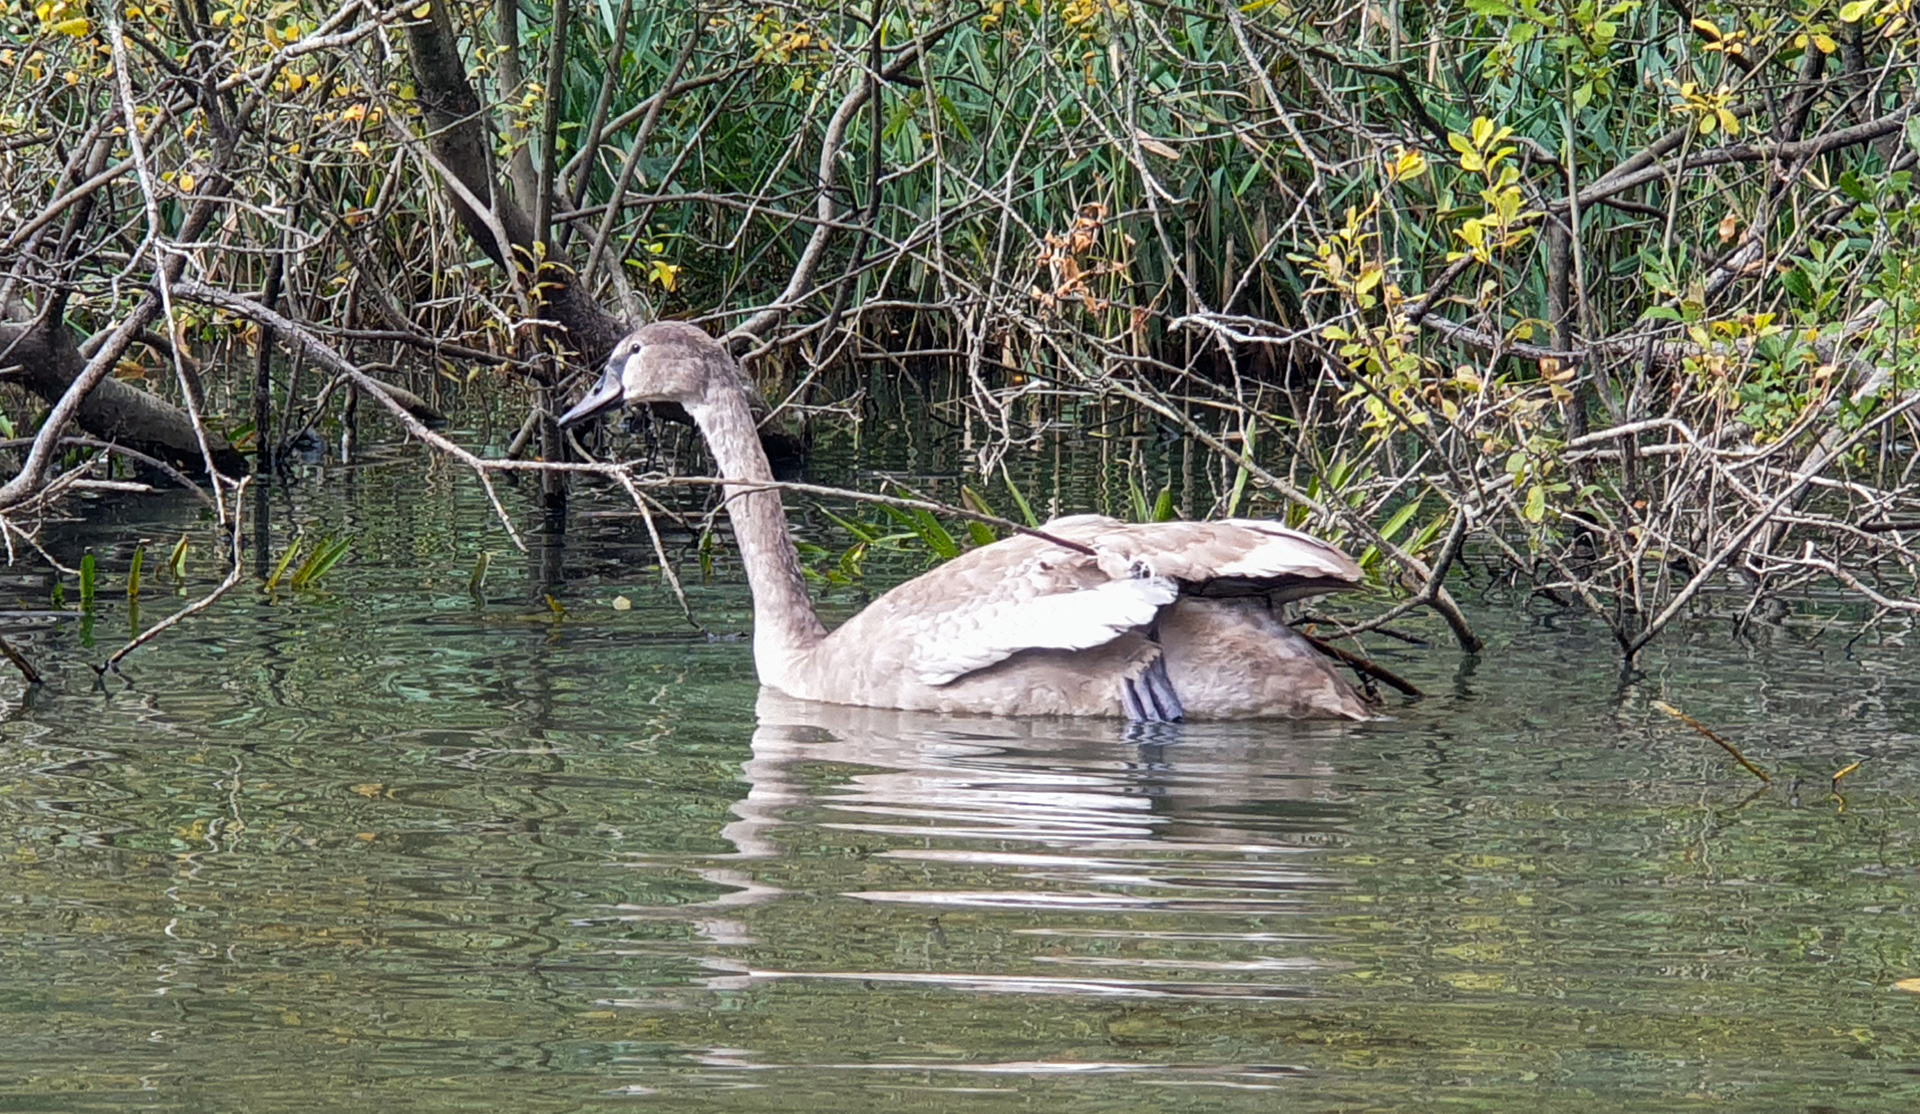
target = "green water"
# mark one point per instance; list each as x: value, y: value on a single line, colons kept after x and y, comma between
x: 387, y: 846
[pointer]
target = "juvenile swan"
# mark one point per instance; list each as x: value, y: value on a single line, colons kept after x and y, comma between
x: 1161, y: 621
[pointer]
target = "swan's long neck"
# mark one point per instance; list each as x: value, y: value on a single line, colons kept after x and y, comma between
x: 784, y: 625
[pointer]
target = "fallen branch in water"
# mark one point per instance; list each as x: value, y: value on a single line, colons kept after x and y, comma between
x: 32, y: 676
x: 1366, y: 667
x: 1708, y: 732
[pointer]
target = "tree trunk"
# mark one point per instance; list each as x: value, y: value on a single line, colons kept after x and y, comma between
x: 44, y: 359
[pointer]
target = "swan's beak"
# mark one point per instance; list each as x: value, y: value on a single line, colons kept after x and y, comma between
x: 606, y: 395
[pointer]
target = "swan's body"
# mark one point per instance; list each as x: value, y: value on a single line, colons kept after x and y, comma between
x: 1160, y: 621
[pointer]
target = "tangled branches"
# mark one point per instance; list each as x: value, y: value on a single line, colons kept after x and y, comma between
x: 1618, y: 301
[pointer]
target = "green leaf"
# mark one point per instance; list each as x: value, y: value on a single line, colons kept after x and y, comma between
x: 318, y: 563
x: 933, y: 535
x: 286, y: 559
x: 852, y: 566
x: 1426, y: 535
x: 860, y: 531
x: 133, y: 574
x: 1798, y: 284
x: 1019, y: 500
x: 89, y: 574
x: 1163, y: 506
x: 952, y: 116
x: 1856, y: 10
x: 1399, y: 520
x: 980, y: 532
x: 177, y: 560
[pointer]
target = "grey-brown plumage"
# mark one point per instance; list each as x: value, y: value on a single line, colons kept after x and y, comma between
x: 1162, y: 621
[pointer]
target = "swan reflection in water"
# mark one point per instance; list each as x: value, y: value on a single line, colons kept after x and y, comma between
x: 1081, y: 828
x: 1083, y: 784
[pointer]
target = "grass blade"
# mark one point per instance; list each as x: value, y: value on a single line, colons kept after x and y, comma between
x: 286, y: 559
x: 1019, y: 500
x: 318, y: 563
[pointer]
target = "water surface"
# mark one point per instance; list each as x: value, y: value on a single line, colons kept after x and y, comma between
x: 387, y: 845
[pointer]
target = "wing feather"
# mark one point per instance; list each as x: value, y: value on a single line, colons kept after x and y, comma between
x: 1028, y: 593
x: 976, y: 637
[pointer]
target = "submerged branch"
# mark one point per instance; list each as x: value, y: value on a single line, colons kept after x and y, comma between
x: 234, y: 576
x: 1709, y: 733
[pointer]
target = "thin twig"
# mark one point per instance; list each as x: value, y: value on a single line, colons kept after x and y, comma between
x: 1364, y: 666
x: 234, y: 577
x: 1708, y: 732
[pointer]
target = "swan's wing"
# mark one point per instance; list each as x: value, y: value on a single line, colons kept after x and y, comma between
x: 976, y: 635
x: 1235, y: 556
x: 988, y: 604
x: 1026, y: 593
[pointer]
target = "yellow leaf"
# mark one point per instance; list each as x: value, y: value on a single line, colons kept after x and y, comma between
x: 78, y: 26
x: 1707, y: 29
x: 185, y: 182
x: 1728, y: 121
x: 1536, y: 508
x: 1855, y: 11
x: 359, y: 147
x: 1911, y: 986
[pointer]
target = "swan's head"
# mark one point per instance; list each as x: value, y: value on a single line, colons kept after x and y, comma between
x: 667, y: 361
